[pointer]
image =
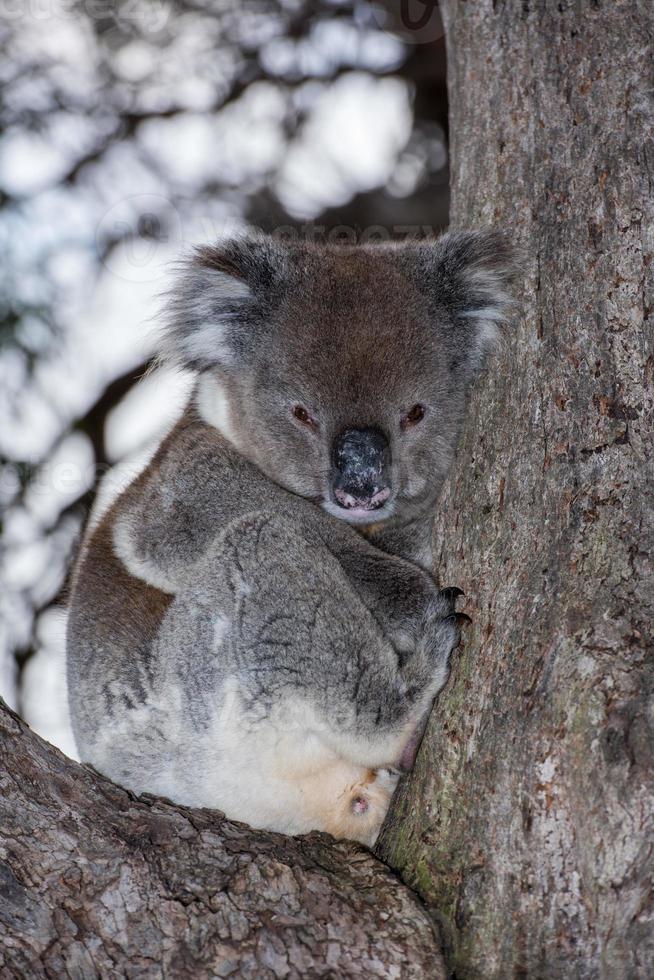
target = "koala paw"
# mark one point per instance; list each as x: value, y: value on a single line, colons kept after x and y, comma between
x: 442, y: 625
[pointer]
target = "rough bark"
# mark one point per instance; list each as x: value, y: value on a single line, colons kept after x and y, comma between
x: 527, y: 824
x: 97, y: 883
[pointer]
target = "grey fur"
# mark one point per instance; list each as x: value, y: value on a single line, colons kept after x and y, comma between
x: 221, y: 618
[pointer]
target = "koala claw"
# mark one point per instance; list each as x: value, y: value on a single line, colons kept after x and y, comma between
x: 444, y: 602
x: 442, y: 626
x: 457, y: 620
x: 461, y: 619
x: 451, y: 594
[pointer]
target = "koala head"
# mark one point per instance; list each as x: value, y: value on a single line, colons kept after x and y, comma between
x: 342, y: 371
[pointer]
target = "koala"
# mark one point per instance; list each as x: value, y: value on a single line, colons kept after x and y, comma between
x: 254, y: 626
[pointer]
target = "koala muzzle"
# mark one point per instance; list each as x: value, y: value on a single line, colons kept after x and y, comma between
x: 361, y: 469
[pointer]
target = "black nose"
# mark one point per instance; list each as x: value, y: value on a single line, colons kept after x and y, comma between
x: 361, y: 469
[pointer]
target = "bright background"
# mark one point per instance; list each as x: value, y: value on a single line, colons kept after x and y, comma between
x: 129, y: 132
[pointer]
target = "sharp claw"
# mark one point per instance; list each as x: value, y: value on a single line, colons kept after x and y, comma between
x: 452, y: 593
x: 461, y: 619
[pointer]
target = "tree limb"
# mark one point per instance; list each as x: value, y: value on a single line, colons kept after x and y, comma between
x: 97, y: 883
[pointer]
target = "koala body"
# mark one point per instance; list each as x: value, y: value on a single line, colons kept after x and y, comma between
x: 251, y: 628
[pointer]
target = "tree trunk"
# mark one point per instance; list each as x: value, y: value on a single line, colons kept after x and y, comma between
x: 527, y: 824
x: 95, y: 883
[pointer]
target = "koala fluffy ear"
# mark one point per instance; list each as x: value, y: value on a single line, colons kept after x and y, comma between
x: 217, y: 303
x: 469, y: 275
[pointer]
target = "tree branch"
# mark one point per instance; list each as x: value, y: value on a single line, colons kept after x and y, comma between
x: 97, y: 883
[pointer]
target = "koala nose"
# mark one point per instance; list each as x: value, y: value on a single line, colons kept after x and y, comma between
x: 361, y: 462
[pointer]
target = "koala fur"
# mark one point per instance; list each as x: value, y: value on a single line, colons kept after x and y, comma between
x: 253, y: 626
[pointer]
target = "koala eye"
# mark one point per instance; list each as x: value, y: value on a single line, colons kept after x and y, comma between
x: 302, y: 415
x: 413, y: 416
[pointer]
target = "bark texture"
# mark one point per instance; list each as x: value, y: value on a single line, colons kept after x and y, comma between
x: 527, y: 824
x: 95, y: 883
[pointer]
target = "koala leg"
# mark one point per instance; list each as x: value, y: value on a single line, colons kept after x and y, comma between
x: 270, y: 691
x: 352, y: 803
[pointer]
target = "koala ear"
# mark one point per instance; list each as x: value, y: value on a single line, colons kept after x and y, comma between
x: 217, y: 303
x: 468, y: 275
